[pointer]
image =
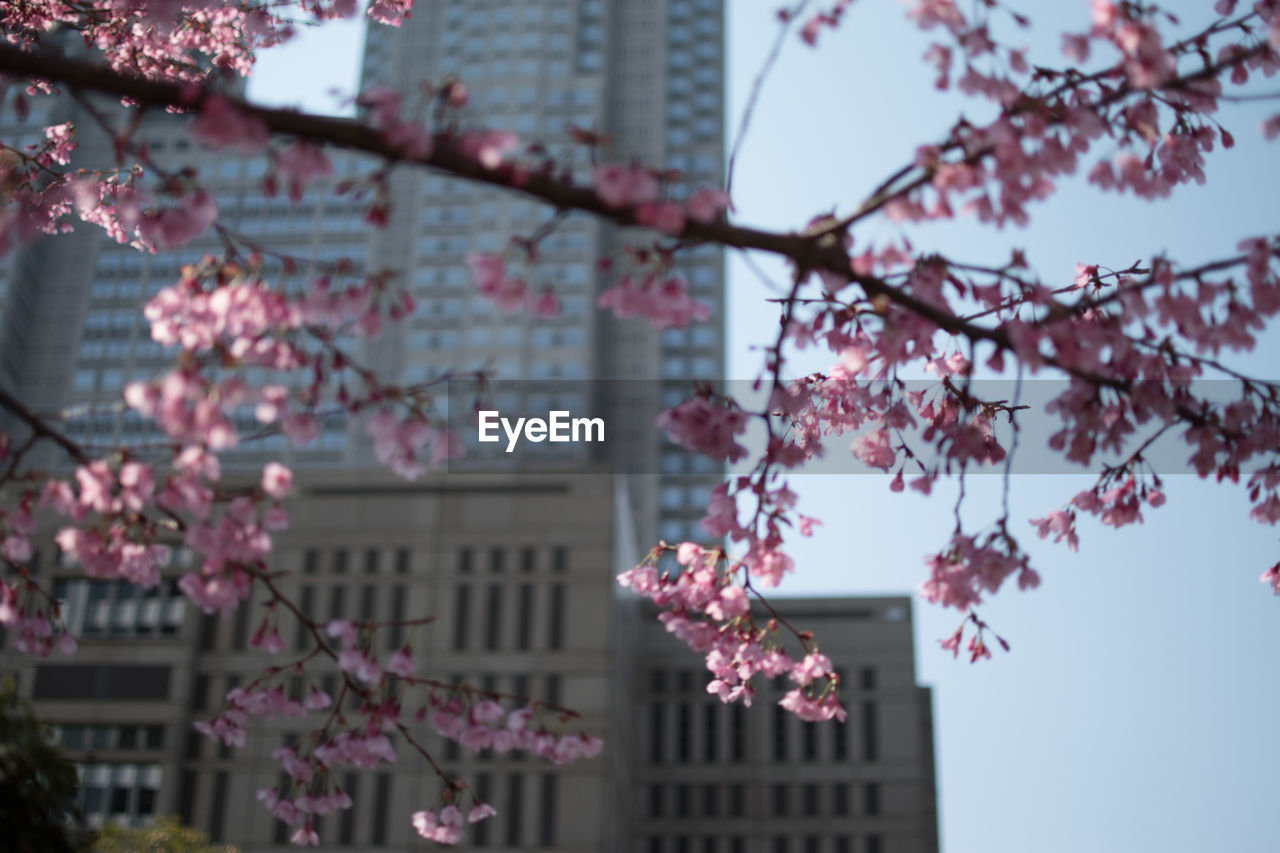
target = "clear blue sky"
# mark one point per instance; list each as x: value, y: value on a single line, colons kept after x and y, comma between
x: 1137, y: 709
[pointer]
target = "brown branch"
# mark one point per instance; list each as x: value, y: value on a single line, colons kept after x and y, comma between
x: 41, y: 428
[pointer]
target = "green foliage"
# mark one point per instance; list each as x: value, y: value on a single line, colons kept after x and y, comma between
x: 37, y: 782
x: 168, y: 835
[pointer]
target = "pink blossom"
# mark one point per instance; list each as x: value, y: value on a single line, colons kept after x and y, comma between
x: 705, y: 426
x: 706, y: 205
x: 624, y: 186
x: 299, y: 165
x: 480, y: 811
x: 277, y: 480
x: 400, y: 663
x: 221, y: 125
x: 306, y: 836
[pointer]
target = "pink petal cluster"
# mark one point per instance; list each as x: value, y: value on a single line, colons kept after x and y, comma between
x: 662, y: 300
x: 489, y: 274
x: 620, y: 185
x: 704, y: 607
x: 706, y: 426
x: 486, y: 725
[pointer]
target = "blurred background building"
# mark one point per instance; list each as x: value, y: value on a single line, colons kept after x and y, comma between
x: 518, y: 575
x: 517, y: 567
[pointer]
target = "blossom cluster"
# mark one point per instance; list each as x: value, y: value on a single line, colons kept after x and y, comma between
x: 703, y: 605
x: 485, y: 725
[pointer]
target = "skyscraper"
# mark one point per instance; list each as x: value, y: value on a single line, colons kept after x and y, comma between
x: 517, y: 568
x: 648, y: 74
x: 651, y: 76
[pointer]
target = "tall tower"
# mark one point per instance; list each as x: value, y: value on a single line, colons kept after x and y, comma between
x: 650, y: 74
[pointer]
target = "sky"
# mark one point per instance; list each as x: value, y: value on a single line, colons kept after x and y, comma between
x: 1136, y: 710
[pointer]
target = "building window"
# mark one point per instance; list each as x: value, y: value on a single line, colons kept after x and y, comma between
x: 811, y: 800
x: 461, y: 611
x: 524, y: 618
x: 93, y: 608
x: 217, y: 810
x: 684, y: 801
x: 493, y: 624
x: 867, y: 678
x: 371, y: 561
x: 547, y: 830
x: 656, y: 796
x: 737, y: 800
x: 781, y: 800
x: 480, y: 831
x: 514, y: 809
x: 657, y: 731
x: 870, y: 738
x: 347, y: 821
x: 874, y: 844
x: 684, y: 732
x: 871, y: 798
x: 555, y: 618
x: 809, y: 732
x: 840, y: 799
x: 340, y: 561
x: 738, y: 733
x: 381, y: 799
x: 711, y: 731
x: 780, y: 721
x: 306, y: 601
x: 710, y: 800
x: 395, y: 634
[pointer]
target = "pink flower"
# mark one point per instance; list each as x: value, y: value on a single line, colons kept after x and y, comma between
x: 667, y: 217
x: 277, y: 480
x: 664, y: 302
x: 622, y: 186
x: 400, y: 663
x: 706, y: 205
x: 306, y: 837
x: 480, y: 811
x: 342, y: 630
x: 706, y: 426
x: 316, y: 700
x: 299, y: 165
x: 220, y: 125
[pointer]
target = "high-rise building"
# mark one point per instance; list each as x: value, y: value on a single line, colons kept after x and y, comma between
x: 517, y: 579
x: 517, y: 567
x: 518, y: 575
x: 651, y: 76
x: 648, y: 74
x: 713, y: 778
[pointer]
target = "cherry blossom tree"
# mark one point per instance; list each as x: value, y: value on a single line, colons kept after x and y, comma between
x: 1124, y: 106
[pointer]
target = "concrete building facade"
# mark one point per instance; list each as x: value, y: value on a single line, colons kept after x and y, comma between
x: 518, y: 575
